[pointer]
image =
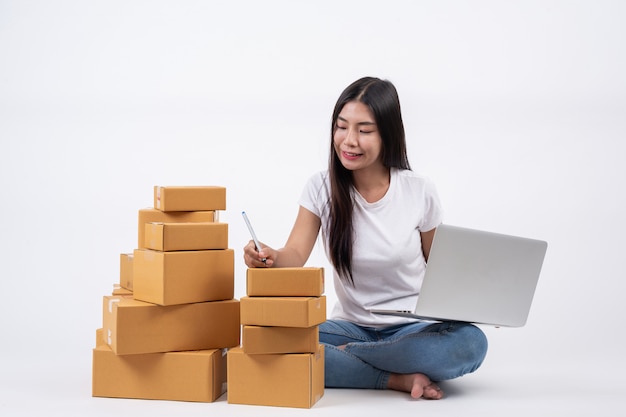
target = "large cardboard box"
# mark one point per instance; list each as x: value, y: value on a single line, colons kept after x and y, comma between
x: 126, y: 271
x: 292, y: 380
x: 189, y: 198
x: 285, y: 282
x: 186, y: 236
x: 176, y: 376
x: 268, y: 340
x: 183, y: 277
x: 131, y: 326
x: 283, y: 311
x: 149, y: 215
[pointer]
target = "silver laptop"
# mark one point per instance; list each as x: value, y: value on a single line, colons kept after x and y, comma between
x: 478, y: 277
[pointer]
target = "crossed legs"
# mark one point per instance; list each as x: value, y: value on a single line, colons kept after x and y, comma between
x: 406, y: 358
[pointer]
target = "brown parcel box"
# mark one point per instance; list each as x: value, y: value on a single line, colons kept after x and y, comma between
x: 119, y: 290
x: 186, y: 236
x: 126, y: 271
x: 292, y: 380
x: 183, y: 277
x: 149, y: 215
x: 285, y: 282
x: 264, y: 340
x: 133, y: 326
x: 176, y: 376
x: 283, y: 311
x: 189, y: 198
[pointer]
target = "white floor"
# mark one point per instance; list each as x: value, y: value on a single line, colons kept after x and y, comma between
x: 30, y: 388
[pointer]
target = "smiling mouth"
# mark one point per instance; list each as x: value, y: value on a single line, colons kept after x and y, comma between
x: 351, y: 155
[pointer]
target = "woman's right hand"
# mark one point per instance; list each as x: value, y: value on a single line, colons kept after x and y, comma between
x: 254, y: 259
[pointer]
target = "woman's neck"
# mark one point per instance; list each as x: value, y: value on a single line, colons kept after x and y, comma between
x: 372, y: 183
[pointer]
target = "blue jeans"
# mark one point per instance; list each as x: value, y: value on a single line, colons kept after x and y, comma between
x: 438, y: 350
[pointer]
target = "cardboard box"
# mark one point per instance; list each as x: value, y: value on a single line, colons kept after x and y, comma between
x: 183, y: 277
x: 292, y: 380
x: 285, y: 282
x: 149, y: 215
x: 186, y: 236
x: 272, y: 340
x: 189, y: 198
x: 126, y: 271
x: 119, y: 290
x: 283, y: 311
x: 176, y: 376
x: 131, y: 326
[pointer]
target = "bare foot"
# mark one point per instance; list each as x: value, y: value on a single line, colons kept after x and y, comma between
x: 419, y: 385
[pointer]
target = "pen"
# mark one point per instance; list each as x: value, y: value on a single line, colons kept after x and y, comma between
x: 256, y: 242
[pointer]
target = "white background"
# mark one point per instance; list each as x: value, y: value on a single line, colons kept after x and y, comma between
x: 516, y: 110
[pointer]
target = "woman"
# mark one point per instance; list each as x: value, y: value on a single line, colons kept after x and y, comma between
x: 378, y: 219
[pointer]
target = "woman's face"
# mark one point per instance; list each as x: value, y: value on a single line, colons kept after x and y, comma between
x: 356, y: 139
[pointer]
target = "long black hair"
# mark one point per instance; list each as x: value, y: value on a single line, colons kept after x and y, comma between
x: 382, y: 99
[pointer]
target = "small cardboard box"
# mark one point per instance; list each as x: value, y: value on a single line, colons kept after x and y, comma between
x: 283, y: 311
x: 183, y: 277
x: 186, y: 236
x: 126, y: 271
x: 131, y: 326
x: 285, y: 282
x: 149, y: 215
x: 291, y: 380
x: 176, y: 376
x: 100, y: 337
x: 119, y: 290
x: 189, y: 198
x: 268, y: 340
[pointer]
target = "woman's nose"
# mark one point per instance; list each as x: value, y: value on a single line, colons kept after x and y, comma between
x: 351, y: 137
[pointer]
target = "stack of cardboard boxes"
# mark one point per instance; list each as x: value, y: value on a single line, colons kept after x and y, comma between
x: 169, y: 323
x: 280, y: 361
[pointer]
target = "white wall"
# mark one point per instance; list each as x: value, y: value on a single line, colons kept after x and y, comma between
x: 514, y: 108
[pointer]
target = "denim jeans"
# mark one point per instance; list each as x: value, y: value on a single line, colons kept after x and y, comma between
x: 439, y: 350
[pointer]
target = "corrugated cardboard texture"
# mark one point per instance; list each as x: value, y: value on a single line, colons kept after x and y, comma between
x: 149, y: 215
x: 186, y: 236
x: 183, y: 277
x: 189, y: 198
x: 178, y: 376
x: 291, y: 380
x: 266, y: 340
x: 283, y: 311
x: 132, y: 326
x: 285, y: 282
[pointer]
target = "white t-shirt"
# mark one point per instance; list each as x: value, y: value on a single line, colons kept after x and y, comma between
x: 388, y: 264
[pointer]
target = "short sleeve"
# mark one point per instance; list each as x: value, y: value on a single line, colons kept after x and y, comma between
x: 315, y: 195
x: 433, y: 210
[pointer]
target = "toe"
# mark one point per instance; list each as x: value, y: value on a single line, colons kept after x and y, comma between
x: 432, y: 392
x: 417, y: 391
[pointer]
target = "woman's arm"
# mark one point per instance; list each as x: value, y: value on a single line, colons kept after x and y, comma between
x: 427, y: 242
x: 296, y: 251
